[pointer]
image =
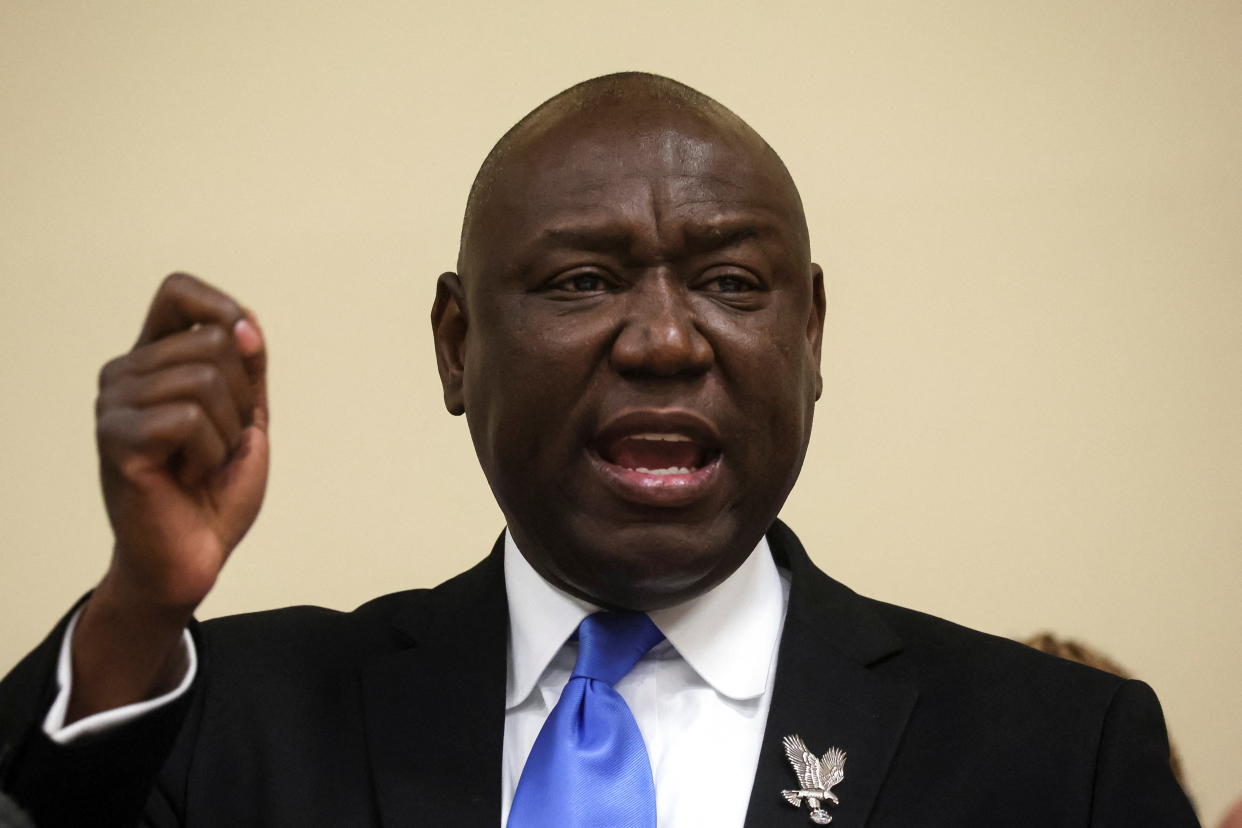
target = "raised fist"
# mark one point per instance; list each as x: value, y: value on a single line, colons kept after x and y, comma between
x: 181, y: 423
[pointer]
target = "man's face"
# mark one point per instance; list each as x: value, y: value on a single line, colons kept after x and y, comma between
x: 635, y: 341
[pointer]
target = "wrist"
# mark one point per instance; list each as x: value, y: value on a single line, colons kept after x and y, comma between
x: 117, y: 607
x: 159, y: 597
x: 124, y: 650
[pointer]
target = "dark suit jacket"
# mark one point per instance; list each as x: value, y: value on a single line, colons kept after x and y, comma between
x: 394, y: 714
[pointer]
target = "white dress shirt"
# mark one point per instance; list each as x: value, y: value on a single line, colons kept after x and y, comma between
x: 54, y: 723
x: 700, y: 698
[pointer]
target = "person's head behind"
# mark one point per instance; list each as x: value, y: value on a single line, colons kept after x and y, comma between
x: 633, y: 334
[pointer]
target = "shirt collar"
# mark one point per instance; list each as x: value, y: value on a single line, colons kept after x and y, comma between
x: 728, y: 635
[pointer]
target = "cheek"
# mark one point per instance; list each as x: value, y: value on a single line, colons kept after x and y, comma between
x: 773, y: 378
x: 525, y: 373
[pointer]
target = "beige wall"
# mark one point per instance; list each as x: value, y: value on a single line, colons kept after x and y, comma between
x: 1030, y: 215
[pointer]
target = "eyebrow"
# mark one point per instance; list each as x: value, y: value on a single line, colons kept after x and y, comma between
x: 719, y: 236
x: 590, y: 237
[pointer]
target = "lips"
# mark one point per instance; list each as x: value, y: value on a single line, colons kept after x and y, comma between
x: 663, y: 458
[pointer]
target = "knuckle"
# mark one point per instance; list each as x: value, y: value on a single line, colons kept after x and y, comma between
x: 129, y: 465
x: 148, y: 430
x: 219, y: 386
x: 117, y: 439
x: 170, y: 424
x: 106, y: 427
x: 103, y: 402
x: 209, y: 383
x: 188, y: 415
x: 214, y: 389
x: 114, y: 393
x: 203, y: 376
x: 110, y: 371
x: 176, y: 280
x: 215, y: 339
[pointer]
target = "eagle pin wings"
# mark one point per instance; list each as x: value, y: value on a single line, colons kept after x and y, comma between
x: 816, y: 776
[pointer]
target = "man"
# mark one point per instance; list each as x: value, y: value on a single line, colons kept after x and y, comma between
x: 633, y: 334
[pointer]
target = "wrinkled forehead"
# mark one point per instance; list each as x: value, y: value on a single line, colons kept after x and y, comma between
x: 685, y: 156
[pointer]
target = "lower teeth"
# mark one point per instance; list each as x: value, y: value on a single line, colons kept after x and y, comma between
x: 671, y: 470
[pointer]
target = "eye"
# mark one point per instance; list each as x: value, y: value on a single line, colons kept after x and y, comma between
x: 733, y: 286
x: 731, y: 283
x: 583, y: 281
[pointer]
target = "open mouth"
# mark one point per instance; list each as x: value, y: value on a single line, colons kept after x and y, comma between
x: 658, y: 453
x: 658, y: 458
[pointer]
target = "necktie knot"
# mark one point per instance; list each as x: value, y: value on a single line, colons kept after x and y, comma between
x: 589, y: 766
x: 611, y: 643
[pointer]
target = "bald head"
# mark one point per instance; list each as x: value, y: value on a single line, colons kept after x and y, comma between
x: 648, y: 102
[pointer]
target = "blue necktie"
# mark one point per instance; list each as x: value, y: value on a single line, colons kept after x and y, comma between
x: 589, y: 766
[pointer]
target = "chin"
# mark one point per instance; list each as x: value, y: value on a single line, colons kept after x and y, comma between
x: 648, y: 565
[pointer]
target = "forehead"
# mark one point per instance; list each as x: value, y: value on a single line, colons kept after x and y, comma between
x: 657, y: 168
x: 685, y: 150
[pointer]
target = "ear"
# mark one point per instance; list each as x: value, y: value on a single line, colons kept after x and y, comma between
x: 815, y: 323
x: 449, y: 323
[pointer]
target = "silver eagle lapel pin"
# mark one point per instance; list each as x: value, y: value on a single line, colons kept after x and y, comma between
x: 816, y: 775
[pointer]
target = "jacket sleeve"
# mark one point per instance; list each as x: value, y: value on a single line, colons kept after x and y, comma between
x: 100, y: 780
x: 1134, y: 783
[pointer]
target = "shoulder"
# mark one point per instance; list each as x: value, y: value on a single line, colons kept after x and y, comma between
x: 976, y: 677
x: 295, y: 650
x: 944, y: 648
x: 378, y: 625
x: 293, y: 632
x: 954, y: 668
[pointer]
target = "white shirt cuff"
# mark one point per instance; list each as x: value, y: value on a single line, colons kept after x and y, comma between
x: 54, y: 724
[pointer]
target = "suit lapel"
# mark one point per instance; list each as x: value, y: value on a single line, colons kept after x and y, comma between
x: 435, y: 706
x: 826, y: 693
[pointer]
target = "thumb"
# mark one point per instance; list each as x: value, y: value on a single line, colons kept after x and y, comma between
x: 239, y: 487
x: 253, y: 348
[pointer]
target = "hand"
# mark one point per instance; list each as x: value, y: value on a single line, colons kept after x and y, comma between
x: 181, y: 424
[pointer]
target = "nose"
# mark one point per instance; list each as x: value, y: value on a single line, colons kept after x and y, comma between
x: 659, y: 336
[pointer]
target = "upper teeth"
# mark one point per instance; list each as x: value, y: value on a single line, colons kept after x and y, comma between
x: 671, y: 438
x: 669, y: 470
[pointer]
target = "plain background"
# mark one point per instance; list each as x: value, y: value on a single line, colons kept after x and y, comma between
x: 1029, y: 213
